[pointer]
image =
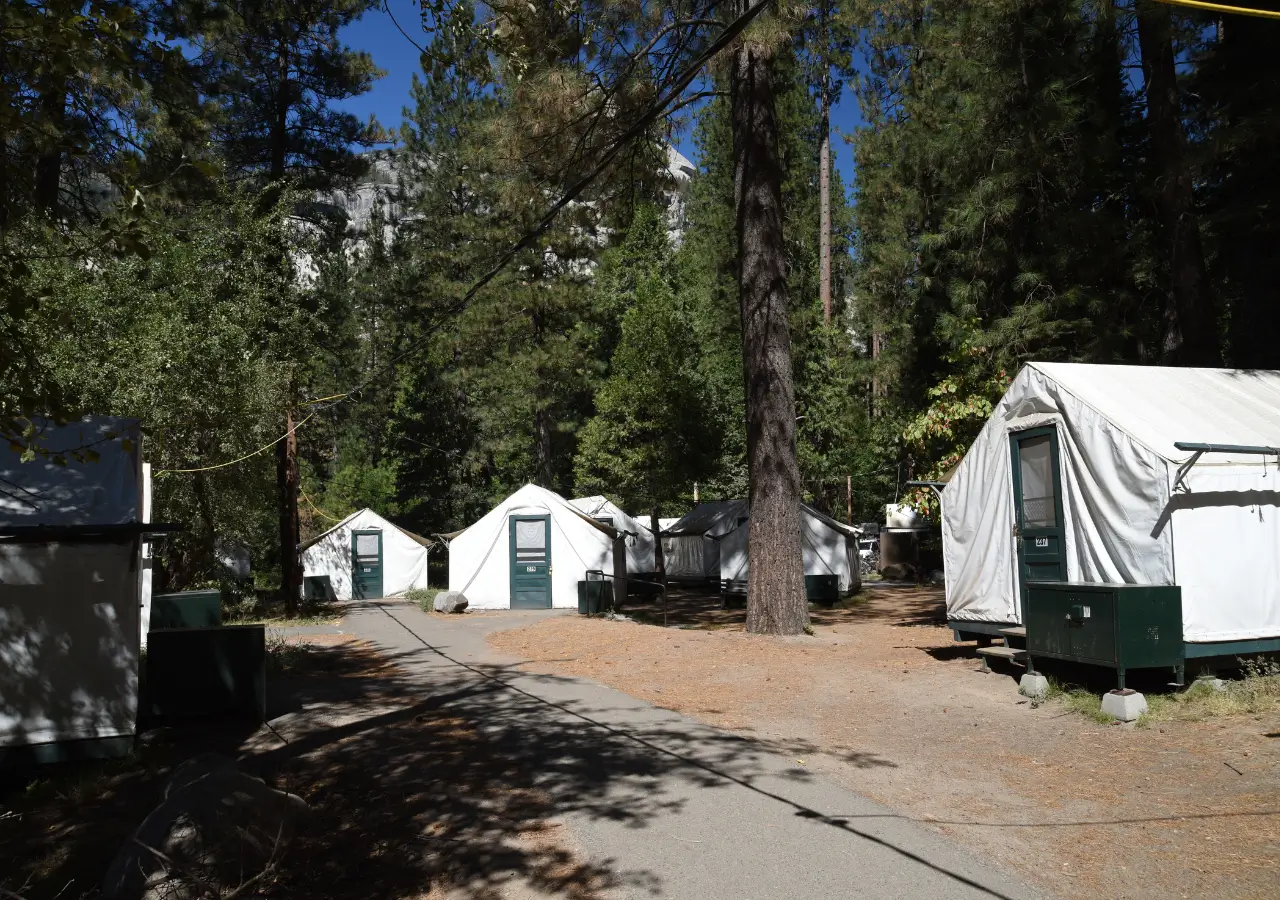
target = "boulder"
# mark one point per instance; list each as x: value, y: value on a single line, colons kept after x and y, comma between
x: 216, y: 830
x: 898, y: 572
x: 450, y: 602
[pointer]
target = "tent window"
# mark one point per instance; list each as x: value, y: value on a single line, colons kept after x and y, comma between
x: 1035, y: 458
x: 604, y: 520
x: 367, y: 545
x: 531, y: 537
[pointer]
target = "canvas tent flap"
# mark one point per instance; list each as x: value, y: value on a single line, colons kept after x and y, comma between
x: 98, y: 485
x: 637, y: 537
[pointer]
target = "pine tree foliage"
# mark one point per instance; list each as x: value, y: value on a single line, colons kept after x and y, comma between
x: 650, y: 438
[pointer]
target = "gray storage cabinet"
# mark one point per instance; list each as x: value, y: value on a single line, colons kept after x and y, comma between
x: 1121, y: 626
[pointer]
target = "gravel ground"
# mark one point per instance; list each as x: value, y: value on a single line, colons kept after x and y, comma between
x: 900, y: 713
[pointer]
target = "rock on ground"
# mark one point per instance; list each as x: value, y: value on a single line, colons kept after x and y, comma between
x: 450, y: 602
x: 216, y: 829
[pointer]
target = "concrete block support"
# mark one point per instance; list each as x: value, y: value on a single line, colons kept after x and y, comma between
x: 1125, y: 705
x: 1034, y: 686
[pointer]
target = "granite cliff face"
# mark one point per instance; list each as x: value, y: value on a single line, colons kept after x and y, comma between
x: 383, y: 182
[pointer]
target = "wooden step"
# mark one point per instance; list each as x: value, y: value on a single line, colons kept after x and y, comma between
x: 1019, y: 631
x: 1003, y: 652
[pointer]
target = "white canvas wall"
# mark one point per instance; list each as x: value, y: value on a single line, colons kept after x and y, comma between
x: 1226, y: 551
x: 825, y: 551
x: 404, y: 560
x: 68, y: 641
x: 70, y: 611
x: 480, y: 561
x: 684, y: 556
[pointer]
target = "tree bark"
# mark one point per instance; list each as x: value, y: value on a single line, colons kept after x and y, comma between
x: 824, y: 187
x: 659, y: 560
x: 287, y: 481
x: 775, y: 584
x: 1191, y: 327
x: 48, y: 174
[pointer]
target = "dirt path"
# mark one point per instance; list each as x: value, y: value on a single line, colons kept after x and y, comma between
x: 899, y: 713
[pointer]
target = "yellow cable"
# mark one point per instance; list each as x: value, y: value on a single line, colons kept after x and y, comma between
x: 240, y: 459
x: 1219, y: 7
x: 322, y: 399
x: 317, y: 510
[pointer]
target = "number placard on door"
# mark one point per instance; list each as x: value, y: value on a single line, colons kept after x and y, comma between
x: 1042, y: 542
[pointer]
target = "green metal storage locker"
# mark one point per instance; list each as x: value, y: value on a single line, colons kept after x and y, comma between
x: 186, y: 609
x: 822, y: 588
x: 1121, y: 626
x: 194, y: 672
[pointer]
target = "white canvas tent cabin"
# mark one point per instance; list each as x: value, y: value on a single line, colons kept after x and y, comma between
x: 690, y: 547
x: 72, y: 522
x: 367, y: 557
x: 530, y: 551
x: 635, y: 532
x: 827, y: 547
x: 1088, y: 473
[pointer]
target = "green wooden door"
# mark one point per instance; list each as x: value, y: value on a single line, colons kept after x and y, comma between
x: 530, y: 562
x: 366, y: 565
x: 1037, y: 498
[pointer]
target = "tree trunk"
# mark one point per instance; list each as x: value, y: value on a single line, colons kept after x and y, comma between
x: 824, y: 187
x: 287, y: 481
x: 48, y: 174
x: 659, y: 560
x: 775, y: 585
x: 1191, y: 327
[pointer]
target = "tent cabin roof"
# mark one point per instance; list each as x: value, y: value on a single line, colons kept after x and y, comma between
x: 1159, y: 406
x: 598, y: 505
x: 706, y: 516
x: 426, y: 542
x: 85, y: 472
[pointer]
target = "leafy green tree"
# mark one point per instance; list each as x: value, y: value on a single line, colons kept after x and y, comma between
x: 193, y: 342
x: 81, y: 88
x: 650, y: 438
x: 274, y: 69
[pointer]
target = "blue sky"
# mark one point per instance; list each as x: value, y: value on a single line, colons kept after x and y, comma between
x: 395, y: 54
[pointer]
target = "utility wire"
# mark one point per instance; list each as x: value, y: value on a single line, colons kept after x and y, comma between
x: 655, y: 110
x: 1219, y: 7
x: 238, y: 459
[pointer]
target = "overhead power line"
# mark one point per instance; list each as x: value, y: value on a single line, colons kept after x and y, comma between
x: 1220, y: 7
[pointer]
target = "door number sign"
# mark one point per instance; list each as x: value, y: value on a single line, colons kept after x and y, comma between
x: 1042, y: 542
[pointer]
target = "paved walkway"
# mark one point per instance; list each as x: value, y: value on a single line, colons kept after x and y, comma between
x: 669, y: 806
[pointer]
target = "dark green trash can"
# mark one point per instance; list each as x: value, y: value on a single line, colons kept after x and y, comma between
x: 198, y: 672
x: 591, y: 597
x: 822, y: 588
x: 186, y: 609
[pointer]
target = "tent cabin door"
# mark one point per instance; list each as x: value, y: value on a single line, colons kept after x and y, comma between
x: 366, y: 565
x: 1037, y: 496
x: 530, y: 562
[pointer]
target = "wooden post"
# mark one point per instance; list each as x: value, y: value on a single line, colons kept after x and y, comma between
x: 287, y: 481
x: 848, y: 498
x: 659, y: 560
x: 695, y: 492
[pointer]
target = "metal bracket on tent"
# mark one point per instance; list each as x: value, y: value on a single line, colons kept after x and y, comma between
x: 1199, y: 450
x: 935, y: 486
